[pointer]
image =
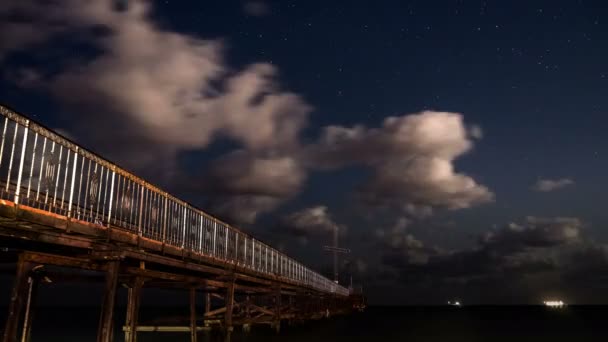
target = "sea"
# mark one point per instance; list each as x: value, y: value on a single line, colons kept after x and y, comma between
x: 376, y: 324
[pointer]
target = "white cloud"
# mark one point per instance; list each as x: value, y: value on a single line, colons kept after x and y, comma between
x: 156, y: 90
x: 412, y: 158
x: 151, y: 93
x: 546, y: 185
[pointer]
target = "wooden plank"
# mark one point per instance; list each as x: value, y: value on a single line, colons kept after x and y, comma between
x: 58, y: 260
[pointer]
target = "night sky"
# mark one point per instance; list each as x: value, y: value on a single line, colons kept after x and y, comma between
x: 458, y: 146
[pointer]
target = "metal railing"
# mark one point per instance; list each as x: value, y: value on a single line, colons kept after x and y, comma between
x: 41, y: 169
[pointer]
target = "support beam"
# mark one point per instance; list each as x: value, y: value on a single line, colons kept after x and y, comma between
x: 229, y: 306
x: 31, y: 298
x: 133, y: 301
x: 106, y: 320
x: 17, y: 300
x: 207, y: 306
x: 193, y: 314
x: 277, y: 303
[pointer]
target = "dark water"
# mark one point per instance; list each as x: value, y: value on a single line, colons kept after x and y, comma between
x: 376, y: 324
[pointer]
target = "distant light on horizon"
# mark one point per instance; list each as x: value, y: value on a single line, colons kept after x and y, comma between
x: 554, y: 303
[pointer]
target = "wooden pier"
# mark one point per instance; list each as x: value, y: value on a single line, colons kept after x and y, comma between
x: 66, y: 213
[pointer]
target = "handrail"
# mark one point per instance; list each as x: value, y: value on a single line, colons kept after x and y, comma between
x: 50, y: 172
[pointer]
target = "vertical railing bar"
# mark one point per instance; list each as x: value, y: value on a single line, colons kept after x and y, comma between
x: 10, y: 163
x: 253, y: 247
x: 165, y: 219
x: 58, y: 175
x: 214, y: 237
x: 226, y: 232
x: 65, y: 177
x: 111, y: 198
x: 3, y: 138
x: 78, y: 203
x: 145, y: 210
x: 120, y: 190
x: 141, y: 203
x: 87, y: 195
x: 41, y: 168
x: 236, y: 247
x: 20, y: 172
x: 29, y: 181
x: 133, y: 193
x: 200, y: 237
x: 149, y: 206
x: 105, y: 193
x: 100, y: 181
x: 73, y: 182
x: 50, y: 173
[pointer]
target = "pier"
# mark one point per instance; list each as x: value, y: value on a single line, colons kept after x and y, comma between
x: 69, y: 214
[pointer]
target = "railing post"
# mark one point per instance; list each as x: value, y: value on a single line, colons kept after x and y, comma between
x: 17, y: 190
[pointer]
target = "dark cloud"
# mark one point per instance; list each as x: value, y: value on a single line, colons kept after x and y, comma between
x: 520, y: 262
x: 313, y: 222
x: 250, y: 184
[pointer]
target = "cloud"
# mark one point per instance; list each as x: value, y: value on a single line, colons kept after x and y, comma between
x: 412, y: 159
x: 516, y: 263
x: 167, y: 92
x: 163, y: 91
x: 256, y: 8
x: 309, y: 222
x: 546, y: 185
x: 249, y: 184
x: 534, y: 232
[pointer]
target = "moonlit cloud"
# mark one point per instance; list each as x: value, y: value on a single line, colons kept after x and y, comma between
x: 412, y: 158
x: 311, y: 221
x: 547, y: 185
x: 167, y: 92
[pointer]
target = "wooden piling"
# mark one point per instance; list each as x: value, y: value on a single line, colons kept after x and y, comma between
x: 193, y: 334
x: 277, y: 303
x: 133, y: 302
x: 229, y: 299
x: 105, y: 332
x: 17, y: 300
x: 31, y: 298
x: 207, y: 306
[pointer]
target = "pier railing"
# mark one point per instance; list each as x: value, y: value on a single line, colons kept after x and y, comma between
x: 41, y: 169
